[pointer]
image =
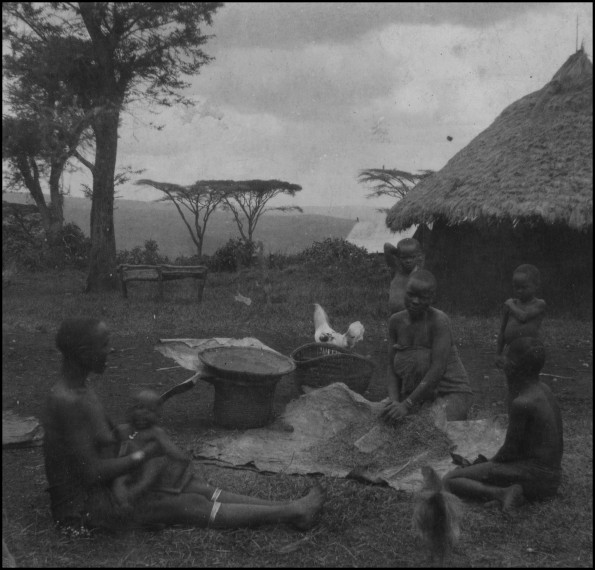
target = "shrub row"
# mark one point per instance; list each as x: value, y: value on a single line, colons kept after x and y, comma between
x: 28, y: 249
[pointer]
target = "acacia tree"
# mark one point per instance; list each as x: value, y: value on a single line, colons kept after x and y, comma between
x: 200, y: 199
x: 390, y: 182
x: 138, y: 51
x: 247, y: 202
x: 43, y: 125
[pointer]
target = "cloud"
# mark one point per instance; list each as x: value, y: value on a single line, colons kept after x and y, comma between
x: 313, y: 83
x: 314, y: 111
x: 290, y: 25
x: 419, y: 65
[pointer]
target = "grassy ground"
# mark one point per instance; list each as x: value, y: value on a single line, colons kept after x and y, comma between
x: 361, y: 525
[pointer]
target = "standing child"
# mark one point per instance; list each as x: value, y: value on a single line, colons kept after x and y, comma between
x: 522, y: 314
x: 403, y: 260
x: 169, y: 472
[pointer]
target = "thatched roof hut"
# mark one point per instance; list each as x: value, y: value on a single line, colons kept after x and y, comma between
x: 527, y: 180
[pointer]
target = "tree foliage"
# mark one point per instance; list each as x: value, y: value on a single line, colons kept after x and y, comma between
x: 42, y: 124
x: 199, y: 200
x: 390, y: 182
x: 131, y: 51
x: 247, y: 200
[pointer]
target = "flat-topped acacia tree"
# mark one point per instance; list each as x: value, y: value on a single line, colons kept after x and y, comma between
x: 247, y: 200
x: 198, y: 200
x: 390, y: 182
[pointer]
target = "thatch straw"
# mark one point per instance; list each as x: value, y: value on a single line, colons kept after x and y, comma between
x: 534, y: 162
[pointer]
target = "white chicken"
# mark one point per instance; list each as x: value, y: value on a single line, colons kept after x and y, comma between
x: 325, y: 334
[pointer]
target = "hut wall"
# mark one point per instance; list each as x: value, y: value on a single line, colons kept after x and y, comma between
x: 474, y: 262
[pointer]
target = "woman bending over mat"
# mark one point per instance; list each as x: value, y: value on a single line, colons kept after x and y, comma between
x: 82, y: 463
x: 423, y: 361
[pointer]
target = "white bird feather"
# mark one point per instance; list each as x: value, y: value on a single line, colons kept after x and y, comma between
x: 324, y: 333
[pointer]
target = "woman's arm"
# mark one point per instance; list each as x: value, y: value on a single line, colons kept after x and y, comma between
x: 503, y: 323
x: 393, y: 409
x: 393, y: 382
x: 81, y: 435
x: 168, y: 447
x: 529, y: 312
x: 441, y: 347
x: 512, y: 448
x: 391, y: 256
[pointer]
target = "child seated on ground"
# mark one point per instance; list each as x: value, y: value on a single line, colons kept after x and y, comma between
x: 522, y: 314
x: 403, y: 260
x: 169, y: 472
x: 528, y: 465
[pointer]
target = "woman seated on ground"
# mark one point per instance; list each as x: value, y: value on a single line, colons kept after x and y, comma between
x: 81, y: 461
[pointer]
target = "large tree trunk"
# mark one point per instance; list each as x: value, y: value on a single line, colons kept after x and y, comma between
x: 56, y: 205
x: 102, y: 262
x: 52, y: 214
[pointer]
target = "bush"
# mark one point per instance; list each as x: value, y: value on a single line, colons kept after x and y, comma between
x: 282, y: 261
x: 149, y: 255
x: 24, y: 244
x: 74, y: 245
x: 236, y: 252
x: 190, y: 260
x: 334, y: 253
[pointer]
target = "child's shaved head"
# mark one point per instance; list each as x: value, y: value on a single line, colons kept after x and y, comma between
x: 425, y: 277
x: 531, y: 272
x: 147, y: 399
x: 408, y: 243
x: 76, y: 335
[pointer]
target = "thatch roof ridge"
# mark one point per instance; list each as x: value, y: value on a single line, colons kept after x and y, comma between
x: 578, y: 67
x: 535, y: 161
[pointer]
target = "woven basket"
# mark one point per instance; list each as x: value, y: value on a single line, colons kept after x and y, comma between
x: 318, y: 365
x: 240, y: 406
x: 245, y: 379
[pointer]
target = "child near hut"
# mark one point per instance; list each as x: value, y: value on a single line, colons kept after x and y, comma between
x: 170, y: 471
x: 522, y: 314
x: 403, y: 260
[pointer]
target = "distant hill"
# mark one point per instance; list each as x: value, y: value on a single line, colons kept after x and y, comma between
x: 358, y: 212
x: 136, y: 221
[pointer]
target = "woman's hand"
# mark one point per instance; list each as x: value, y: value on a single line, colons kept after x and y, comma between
x: 152, y: 449
x: 394, y: 411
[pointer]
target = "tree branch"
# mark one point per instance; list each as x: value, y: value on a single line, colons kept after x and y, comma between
x: 84, y: 161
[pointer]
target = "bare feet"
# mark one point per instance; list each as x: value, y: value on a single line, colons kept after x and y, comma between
x: 513, y: 498
x: 308, y: 508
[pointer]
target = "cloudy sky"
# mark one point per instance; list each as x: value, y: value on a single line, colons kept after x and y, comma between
x: 312, y: 93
